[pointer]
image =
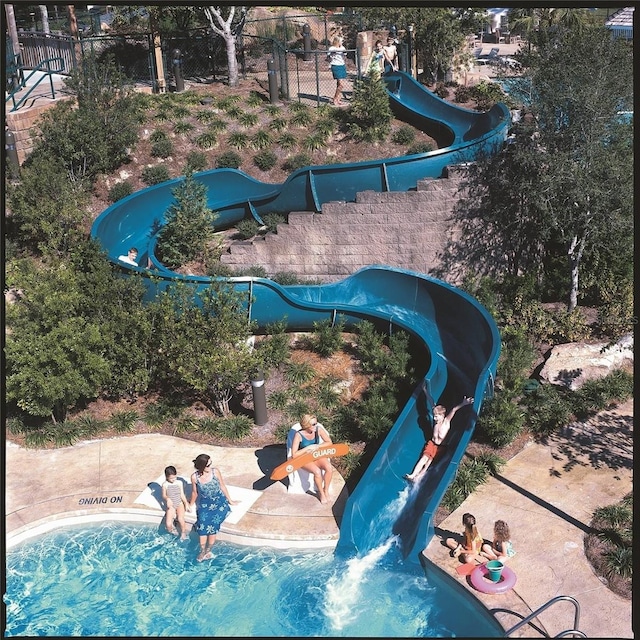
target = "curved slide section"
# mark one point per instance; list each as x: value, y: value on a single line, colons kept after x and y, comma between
x: 458, y: 337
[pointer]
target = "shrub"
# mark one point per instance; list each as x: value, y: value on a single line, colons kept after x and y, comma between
x: 595, y: 395
x: 301, y: 118
x: 181, y: 111
x: 278, y: 125
x: 462, y: 94
x: 155, y: 174
x: 299, y: 372
x: 206, y: 116
x: 441, y: 90
x: 228, y: 101
x: 248, y: 119
x: 516, y: 358
x: 420, y: 147
x: 296, y: 161
x: 157, y: 136
x: 261, y: 139
x: 287, y: 141
x: 272, y: 220
x: 182, y: 127
x: 207, y: 140
x: 162, y: 148
x: 265, y: 160
x: 286, y: 278
x: 370, y: 115
x: 247, y: 228
x: 234, y: 427
x: 470, y: 475
x: 123, y: 421
x: 547, y: 409
x: 486, y: 94
x: 501, y: 420
x: 217, y: 125
x: 255, y: 99
x: 273, y: 109
x: 404, y: 135
x: 196, y: 161
x: 314, y: 142
x: 120, y: 190
x: 327, y: 336
x: 278, y: 399
x: 228, y: 160
x: 325, y: 127
x: 239, y: 140
x: 376, y: 410
x: 234, y: 111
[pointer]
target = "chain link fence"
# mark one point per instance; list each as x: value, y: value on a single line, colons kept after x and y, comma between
x: 304, y: 74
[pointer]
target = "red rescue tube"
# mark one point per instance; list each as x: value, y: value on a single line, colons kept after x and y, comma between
x: 479, y: 579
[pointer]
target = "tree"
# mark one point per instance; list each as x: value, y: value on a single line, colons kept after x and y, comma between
x: 46, y: 210
x: 582, y: 80
x: 564, y: 186
x: 228, y: 29
x: 438, y: 32
x: 95, y: 137
x: 76, y: 330
x: 188, y: 225
x: 202, y: 341
x: 370, y: 115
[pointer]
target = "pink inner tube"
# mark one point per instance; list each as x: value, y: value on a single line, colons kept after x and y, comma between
x: 479, y: 579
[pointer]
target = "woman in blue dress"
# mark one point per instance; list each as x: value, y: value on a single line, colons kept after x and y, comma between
x: 210, y: 495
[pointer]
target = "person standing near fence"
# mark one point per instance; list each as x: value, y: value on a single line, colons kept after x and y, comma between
x: 336, y: 58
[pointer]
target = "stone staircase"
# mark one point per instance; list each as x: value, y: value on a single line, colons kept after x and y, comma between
x: 406, y: 229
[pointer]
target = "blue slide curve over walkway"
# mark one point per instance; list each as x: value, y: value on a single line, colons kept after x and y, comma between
x: 461, y: 341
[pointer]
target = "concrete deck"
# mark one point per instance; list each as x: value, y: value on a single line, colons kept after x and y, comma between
x: 546, y: 493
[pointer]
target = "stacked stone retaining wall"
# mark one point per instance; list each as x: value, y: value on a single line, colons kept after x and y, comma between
x: 399, y: 229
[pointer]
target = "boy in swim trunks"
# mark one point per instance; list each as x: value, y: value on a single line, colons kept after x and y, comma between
x: 441, y: 426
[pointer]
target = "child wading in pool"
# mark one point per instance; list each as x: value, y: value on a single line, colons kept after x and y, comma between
x: 175, y: 503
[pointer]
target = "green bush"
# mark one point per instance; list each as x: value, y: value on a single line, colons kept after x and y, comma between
x: 419, y: 147
x: 265, y: 160
x: 441, y: 90
x: 597, y: 394
x: 462, y: 94
x: 207, y: 140
x: 157, y: 136
x: 248, y: 120
x: 261, y: 140
x: 287, y: 140
x: 234, y: 427
x: 370, y: 116
x: 298, y: 372
x: 123, y: 421
x: 247, y: 228
x: 486, y: 94
x: 404, y: 135
x: 278, y: 125
x: 327, y: 336
x: 255, y: 99
x: 314, y: 142
x: 120, y: 190
x: 272, y: 220
x: 501, y: 420
x: 296, y: 161
x: 516, y: 358
x: 228, y: 160
x: 547, y: 409
x: 301, y: 118
x: 286, y: 278
x: 239, y: 140
x: 155, y: 174
x: 196, y: 161
x: 470, y: 475
x: 162, y: 148
x: 182, y: 127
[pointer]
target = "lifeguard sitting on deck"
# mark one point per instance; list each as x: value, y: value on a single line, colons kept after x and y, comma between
x: 309, y: 436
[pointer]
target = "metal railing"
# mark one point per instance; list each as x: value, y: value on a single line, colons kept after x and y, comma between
x: 573, y: 632
x: 43, y: 67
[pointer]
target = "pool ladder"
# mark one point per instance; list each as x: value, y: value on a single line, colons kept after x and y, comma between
x: 574, y: 632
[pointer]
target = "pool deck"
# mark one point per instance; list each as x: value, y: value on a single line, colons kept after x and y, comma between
x: 546, y: 493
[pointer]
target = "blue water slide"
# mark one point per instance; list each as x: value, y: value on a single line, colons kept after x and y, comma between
x: 458, y: 337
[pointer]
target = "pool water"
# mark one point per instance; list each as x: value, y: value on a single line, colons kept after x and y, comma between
x: 124, y: 579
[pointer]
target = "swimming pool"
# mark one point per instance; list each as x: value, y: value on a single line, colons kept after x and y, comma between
x: 125, y: 579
